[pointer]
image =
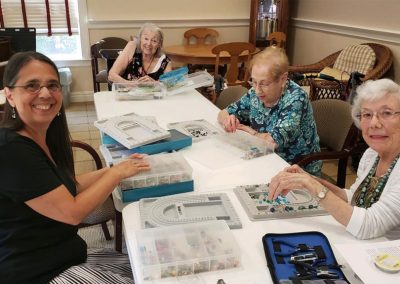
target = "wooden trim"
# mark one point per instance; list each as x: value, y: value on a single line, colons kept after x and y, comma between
x: 174, y: 23
x: 386, y: 35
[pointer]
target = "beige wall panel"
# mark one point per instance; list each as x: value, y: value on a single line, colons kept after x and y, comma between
x: 171, y: 9
x: 368, y: 13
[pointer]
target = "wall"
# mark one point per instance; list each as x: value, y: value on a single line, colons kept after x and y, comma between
x: 122, y: 18
x: 321, y: 27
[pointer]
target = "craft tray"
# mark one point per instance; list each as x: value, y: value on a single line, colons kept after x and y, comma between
x: 132, y: 130
x: 135, y: 90
x: 169, y: 174
x: 251, y: 146
x: 197, y: 129
x: 114, y: 151
x: 297, y: 203
x: 184, y: 250
x: 184, y: 209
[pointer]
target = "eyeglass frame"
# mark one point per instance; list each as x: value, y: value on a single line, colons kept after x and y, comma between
x: 390, y: 114
x: 40, y: 87
x: 261, y: 86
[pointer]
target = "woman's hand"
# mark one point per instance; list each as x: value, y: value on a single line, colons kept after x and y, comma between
x: 146, y: 78
x: 292, y: 178
x: 230, y: 123
x: 247, y: 129
x: 131, y: 166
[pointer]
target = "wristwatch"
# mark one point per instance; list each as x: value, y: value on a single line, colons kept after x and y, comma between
x: 322, y: 193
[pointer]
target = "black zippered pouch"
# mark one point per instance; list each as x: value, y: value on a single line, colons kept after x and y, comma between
x: 300, y: 257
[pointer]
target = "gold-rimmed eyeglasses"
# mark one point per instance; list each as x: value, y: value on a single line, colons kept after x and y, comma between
x: 34, y: 88
x: 382, y: 115
x: 263, y: 86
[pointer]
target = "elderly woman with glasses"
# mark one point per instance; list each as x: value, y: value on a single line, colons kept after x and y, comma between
x: 41, y: 199
x: 371, y: 208
x: 142, y: 58
x: 275, y: 109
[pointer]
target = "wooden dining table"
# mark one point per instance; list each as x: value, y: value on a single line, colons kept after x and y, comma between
x: 198, y: 54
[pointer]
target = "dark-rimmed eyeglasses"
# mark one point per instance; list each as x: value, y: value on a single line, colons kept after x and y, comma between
x: 34, y: 88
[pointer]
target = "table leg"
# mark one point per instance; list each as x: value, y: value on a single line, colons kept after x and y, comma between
x: 118, y: 231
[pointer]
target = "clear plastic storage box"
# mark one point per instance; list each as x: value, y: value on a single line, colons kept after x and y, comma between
x: 170, y: 174
x: 135, y: 90
x: 184, y: 250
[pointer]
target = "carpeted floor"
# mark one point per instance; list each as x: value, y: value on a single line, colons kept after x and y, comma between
x: 94, y: 236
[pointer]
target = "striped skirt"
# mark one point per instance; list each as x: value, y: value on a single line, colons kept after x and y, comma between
x: 101, y: 266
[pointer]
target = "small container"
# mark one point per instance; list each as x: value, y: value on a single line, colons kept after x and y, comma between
x: 169, y: 174
x: 188, y: 249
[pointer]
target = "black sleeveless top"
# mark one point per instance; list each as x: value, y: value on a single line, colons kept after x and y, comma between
x: 135, y: 68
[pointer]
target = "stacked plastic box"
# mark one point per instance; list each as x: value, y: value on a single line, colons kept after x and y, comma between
x: 184, y: 250
x: 169, y: 174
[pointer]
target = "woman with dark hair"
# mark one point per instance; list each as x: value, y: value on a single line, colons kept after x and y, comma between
x: 142, y: 58
x: 41, y: 199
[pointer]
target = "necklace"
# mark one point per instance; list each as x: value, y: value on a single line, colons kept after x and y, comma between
x: 372, y: 187
x: 145, y: 70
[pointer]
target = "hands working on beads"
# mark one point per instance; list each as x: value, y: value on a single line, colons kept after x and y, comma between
x: 290, y: 178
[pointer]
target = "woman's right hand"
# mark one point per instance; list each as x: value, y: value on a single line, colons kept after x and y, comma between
x: 230, y: 123
x: 135, y: 164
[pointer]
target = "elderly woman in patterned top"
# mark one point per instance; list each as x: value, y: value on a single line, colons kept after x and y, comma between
x: 371, y: 208
x: 275, y: 109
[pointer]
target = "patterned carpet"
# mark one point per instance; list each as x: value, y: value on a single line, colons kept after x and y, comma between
x: 94, y: 236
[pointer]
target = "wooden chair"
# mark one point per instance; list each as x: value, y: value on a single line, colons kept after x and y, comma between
x: 106, y: 211
x: 201, y: 36
x: 237, y: 73
x: 322, y: 89
x: 101, y: 76
x: 337, y: 134
x: 278, y: 39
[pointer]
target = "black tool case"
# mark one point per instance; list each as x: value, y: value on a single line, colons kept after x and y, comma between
x: 303, y: 257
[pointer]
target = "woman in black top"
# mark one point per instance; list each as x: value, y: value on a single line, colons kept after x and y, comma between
x: 41, y: 199
x: 142, y: 58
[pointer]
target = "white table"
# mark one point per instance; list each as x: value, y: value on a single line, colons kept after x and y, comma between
x: 190, y: 106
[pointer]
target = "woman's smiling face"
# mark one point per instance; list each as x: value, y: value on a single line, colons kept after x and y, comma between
x: 36, y: 109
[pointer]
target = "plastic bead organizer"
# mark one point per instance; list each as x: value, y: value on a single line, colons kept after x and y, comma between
x: 251, y: 146
x: 173, y: 210
x: 197, y: 129
x: 132, y: 130
x: 297, y: 203
x: 186, y: 250
x: 135, y: 90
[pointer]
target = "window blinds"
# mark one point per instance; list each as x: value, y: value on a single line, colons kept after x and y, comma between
x: 47, y: 16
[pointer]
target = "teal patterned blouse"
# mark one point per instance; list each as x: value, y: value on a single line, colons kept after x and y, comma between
x: 290, y: 122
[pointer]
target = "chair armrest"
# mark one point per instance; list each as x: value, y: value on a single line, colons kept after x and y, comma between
x: 324, y: 155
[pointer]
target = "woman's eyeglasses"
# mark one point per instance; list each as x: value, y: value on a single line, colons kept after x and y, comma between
x: 263, y: 86
x: 382, y: 115
x: 34, y: 88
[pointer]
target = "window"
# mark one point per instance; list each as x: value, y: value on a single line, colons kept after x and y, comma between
x: 53, y: 38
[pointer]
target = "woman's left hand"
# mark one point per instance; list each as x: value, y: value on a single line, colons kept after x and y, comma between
x: 146, y: 78
x: 286, y: 181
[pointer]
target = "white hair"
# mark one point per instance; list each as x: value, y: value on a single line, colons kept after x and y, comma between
x: 154, y: 28
x: 372, y: 91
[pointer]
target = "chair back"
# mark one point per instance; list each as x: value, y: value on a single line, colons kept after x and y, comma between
x: 278, y: 39
x: 335, y: 125
x: 230, y: 95
x: 100, y: 76
x: 201, y: 36
x: 235, y: 49
x: 106, y: 211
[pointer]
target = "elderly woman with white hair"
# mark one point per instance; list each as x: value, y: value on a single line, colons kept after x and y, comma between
x: 371, y: 208
x: 142, y: 58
